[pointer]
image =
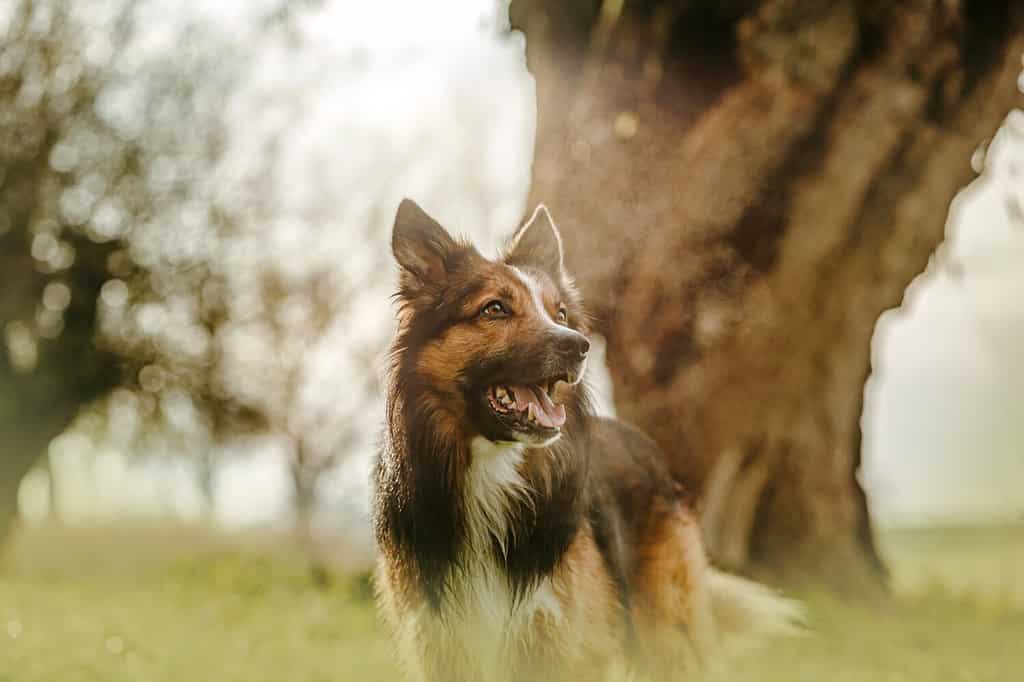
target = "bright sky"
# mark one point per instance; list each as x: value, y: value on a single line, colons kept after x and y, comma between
x: 944, y: 422
x: 399, y: 98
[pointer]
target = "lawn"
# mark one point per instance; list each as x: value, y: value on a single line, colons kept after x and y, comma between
x: 161, y: 606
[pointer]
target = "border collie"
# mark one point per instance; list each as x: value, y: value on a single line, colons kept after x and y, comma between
x: 521, y: 537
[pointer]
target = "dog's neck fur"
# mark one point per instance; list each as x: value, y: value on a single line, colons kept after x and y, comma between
x: 447, y: 498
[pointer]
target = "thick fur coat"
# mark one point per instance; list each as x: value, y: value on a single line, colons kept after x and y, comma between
x: 520, y: 537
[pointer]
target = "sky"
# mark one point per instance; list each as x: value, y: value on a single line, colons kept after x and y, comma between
x: 439, y: 106
x: 944, y: 419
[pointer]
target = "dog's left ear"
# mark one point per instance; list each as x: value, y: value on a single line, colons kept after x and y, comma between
x: 537, y: 244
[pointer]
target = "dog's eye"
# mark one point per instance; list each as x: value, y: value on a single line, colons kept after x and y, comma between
x: 563, y: 316
x: 494, y: 309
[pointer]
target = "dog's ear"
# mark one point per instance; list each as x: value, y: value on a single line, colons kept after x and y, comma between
x: 537, y: 244
x: 421, y: 246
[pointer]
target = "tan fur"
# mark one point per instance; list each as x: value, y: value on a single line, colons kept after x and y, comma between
x: 672, y: 607
x: 589, y: 637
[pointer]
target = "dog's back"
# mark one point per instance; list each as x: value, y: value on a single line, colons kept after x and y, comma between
x: 682, y: 610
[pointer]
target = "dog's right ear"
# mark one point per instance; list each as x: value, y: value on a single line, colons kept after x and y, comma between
x: 421, y: 246
x: 537, y: 243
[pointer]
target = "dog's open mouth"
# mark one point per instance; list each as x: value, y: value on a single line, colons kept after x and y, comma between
x: 530, y: 405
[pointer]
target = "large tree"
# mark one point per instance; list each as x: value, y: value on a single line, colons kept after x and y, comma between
x: 149, y: 239
x: 745, y: 187
x: 58, y: 159
x: 92, y: 152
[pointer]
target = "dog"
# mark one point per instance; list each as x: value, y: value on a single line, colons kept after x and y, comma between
x: 519, y: 536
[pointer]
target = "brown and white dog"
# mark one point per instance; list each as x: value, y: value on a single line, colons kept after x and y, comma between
x: 520, y: 537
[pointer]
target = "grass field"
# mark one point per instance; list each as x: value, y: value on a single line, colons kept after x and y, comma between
x: 163, y: 606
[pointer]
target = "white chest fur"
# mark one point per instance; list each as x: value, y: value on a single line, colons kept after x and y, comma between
x: 483, y: 620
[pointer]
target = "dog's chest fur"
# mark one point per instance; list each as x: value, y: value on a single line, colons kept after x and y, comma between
x: 483, y: 621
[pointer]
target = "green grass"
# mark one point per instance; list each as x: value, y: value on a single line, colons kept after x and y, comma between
x: 156, y: 606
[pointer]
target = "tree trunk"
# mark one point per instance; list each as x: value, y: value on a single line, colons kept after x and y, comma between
x: 24, y: 436
x: 8, y: 505
x: 305, y: 476
x: 744, y: 187
x: 50, y: 363
x: 44, y: 381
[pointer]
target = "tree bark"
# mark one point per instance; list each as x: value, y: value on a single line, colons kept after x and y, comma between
x: 744, y: 188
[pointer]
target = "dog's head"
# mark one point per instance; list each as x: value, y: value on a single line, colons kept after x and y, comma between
x: 497, y: 346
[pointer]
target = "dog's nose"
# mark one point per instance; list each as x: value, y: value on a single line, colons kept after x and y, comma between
x: 584, y: 346
x: 574, y: 345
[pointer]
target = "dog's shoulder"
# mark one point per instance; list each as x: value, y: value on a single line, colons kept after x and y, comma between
x: 626, y: 459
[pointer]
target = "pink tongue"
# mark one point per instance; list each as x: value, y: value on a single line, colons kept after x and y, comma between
x: 548, y: 413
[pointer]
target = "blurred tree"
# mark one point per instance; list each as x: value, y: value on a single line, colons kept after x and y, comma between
x: 772, y: 174
x: 170, y: 259
x: 288, y: 383
x: 97, y: 179
x: 59, y: 160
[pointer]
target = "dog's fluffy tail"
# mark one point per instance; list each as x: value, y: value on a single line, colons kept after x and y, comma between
x: 747, y: 612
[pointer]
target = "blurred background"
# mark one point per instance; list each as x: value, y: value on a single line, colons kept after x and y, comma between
x: 799, y: 226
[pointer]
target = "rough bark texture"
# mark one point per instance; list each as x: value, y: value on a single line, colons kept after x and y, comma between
x: 744, y: 188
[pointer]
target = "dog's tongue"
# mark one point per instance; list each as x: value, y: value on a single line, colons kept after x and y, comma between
x: 548, y: 413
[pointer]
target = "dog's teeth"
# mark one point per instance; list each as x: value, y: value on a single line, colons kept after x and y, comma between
x: 501, y: 398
